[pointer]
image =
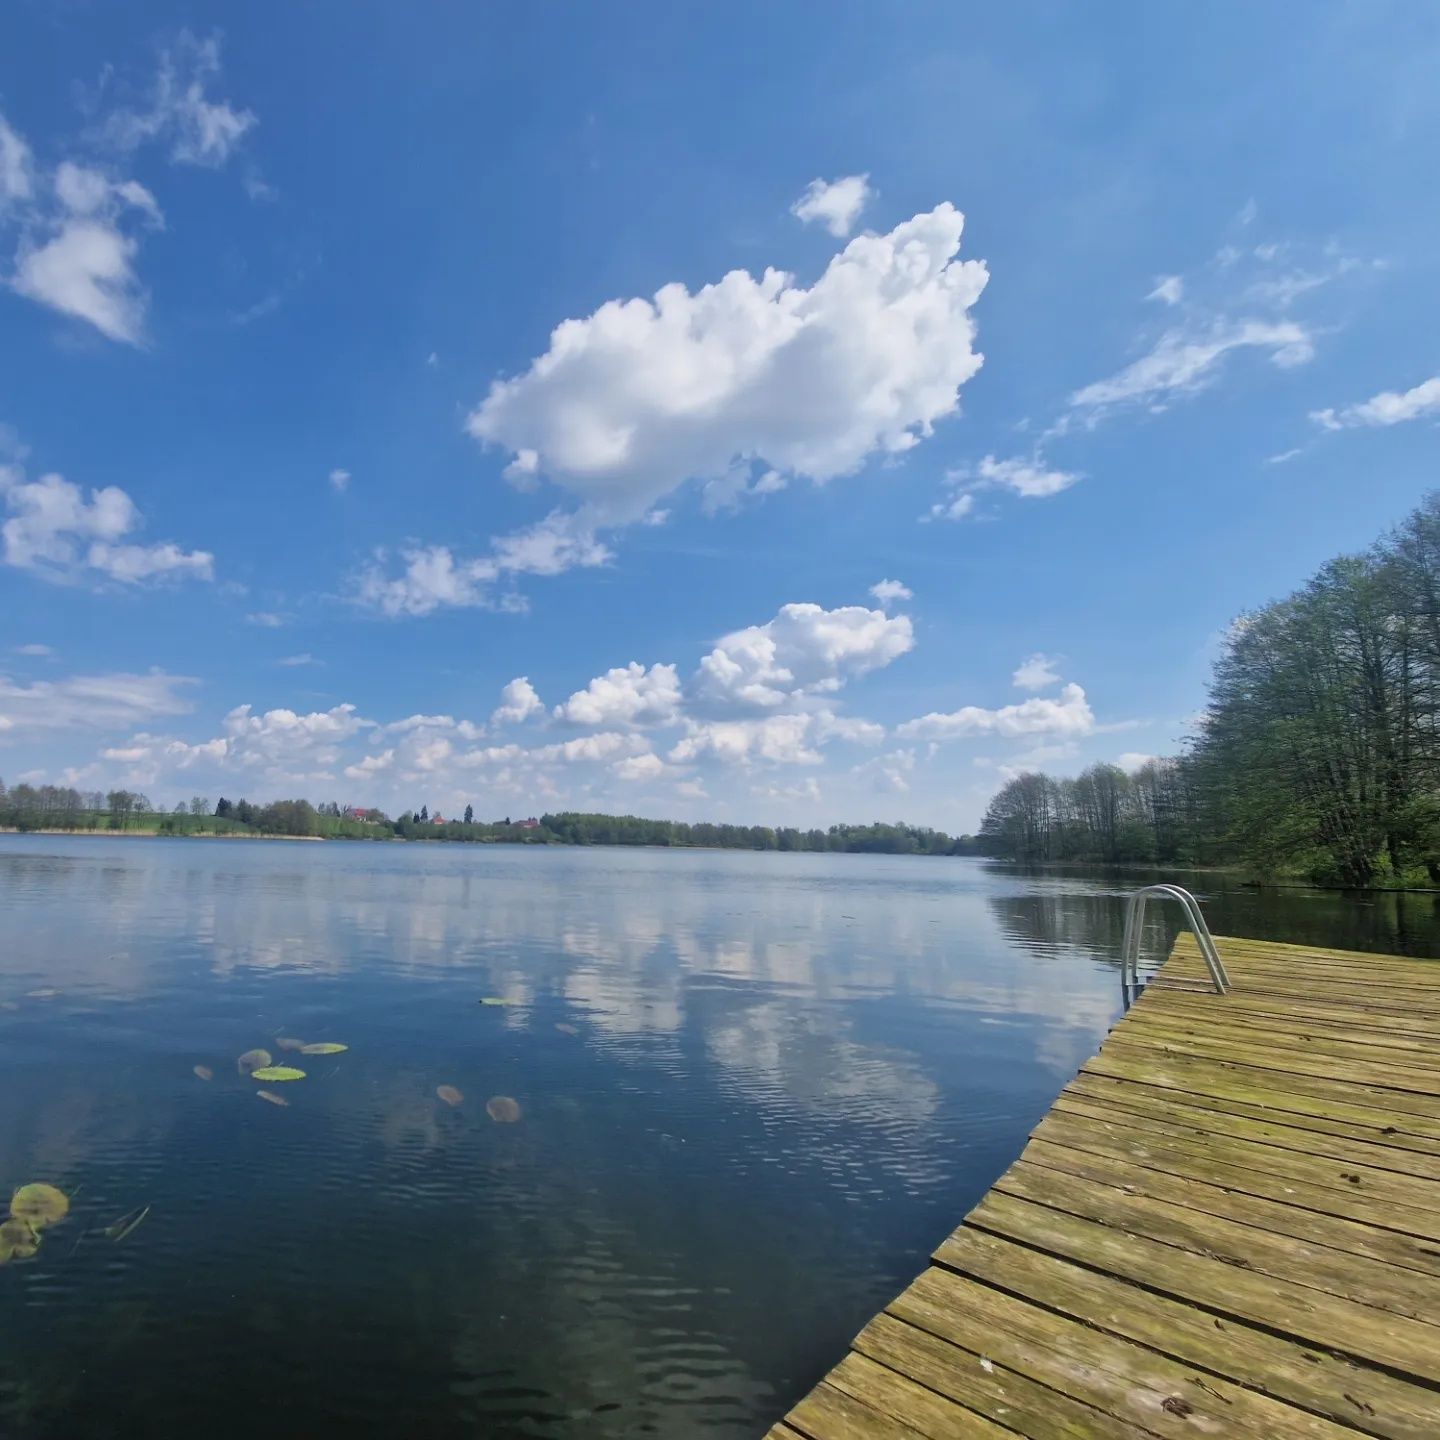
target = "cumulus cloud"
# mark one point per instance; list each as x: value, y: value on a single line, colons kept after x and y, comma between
x: 293, y: 661
x: 733, y: 488
x: 805, y: 650
x: 17, y: 179
x: 55, y: 530
x: 1133, y: 760
x: 518, y: 702
x: 339, y: 481
x: 626, y: 695
x: 889, y: 592
x: 1389, y: 407
x: 433, y: 577
x: 775, y: 739
x: 835, y: 204
x: 638, y: 768
x: 1035, y: 672
x: 957, y: 508
x: 1069, y: 714
x: 34, y: 650
x: 642, y: 395
x: 95, y: 702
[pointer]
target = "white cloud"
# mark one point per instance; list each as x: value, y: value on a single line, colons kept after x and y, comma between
x: 1184, y: 361
x: 1169, y: 290
x: 1070, y: 714
x: 956, y: 509
x: 830, y: 726
x: 96, y: 702
x: 777, y: 739
x: 641, y: 396
x: 17, y: 180
x: 804, y: 650
x: 339, y: 481
x: 34, y: 650
x: 84, y: 270
x: 735, y: 487
x: 268, y: 619
x: 55, y: 530
x: 1036, y: 672
x: 433, y: 577
x: 888, y: 592
x: 297, y: 660
x: 891, y: 772
x: 1030, y: 479
x: 836, y: 204
x: 1389, y: 407
x: 200, y: 130
x: 371, y: 765
x: 644, y: 767
x: 518, y: 702
x: 1284, y: 457
x: 1133, y: 760
x: 626, y: 695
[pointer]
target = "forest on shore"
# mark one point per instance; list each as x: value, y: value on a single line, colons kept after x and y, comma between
x: 1317, y: 754
x: 51, y: 807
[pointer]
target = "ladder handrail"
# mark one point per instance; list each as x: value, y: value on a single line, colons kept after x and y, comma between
x: 1135, y: 925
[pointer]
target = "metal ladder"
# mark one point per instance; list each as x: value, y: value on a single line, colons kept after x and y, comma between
x: 1134, y: 930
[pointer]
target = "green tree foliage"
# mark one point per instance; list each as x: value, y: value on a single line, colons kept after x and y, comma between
x: 1318, y: 753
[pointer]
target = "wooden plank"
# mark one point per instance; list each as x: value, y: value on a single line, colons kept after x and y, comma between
x: 1175, y: 1008
x: 1335, y: 1186
x: 1387, y: 1288
x: 1186, y: 947
x: 1129, y: 1381
x: 831, y: 1413
x: 1303, y: 1312
x: 1004, y: 1396
x: 1332, y: 1385
x: 1361, y: 1104
x: 892, y: 1393
x: 1401, y: 1152
x: 1210, y: 1195
x: 1140, y: 1115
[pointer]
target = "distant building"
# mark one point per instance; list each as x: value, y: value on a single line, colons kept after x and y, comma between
x: 531, y: 824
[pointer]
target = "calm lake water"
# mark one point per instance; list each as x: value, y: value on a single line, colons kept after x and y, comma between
x: 756, y: 1090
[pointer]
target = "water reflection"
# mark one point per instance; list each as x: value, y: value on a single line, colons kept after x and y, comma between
x: 781, y: 1079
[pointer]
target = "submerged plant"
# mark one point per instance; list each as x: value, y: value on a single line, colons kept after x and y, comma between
x: 204, y: 1072
x: 126, y: 1224
x: 277, y: 1072
x: 253, y: 1060
x: 272, y: 1097
x: 502, y: 1109
x: 17, y: 1240
x: 39, y: 1205
x: 289, y: 1042
x: 326, y: 1047
x: 449, y: 1094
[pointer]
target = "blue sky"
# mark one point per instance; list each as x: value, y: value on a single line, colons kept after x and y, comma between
x: 522, y: 405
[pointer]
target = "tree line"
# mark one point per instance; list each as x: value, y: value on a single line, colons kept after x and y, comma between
x: 1318, y: 752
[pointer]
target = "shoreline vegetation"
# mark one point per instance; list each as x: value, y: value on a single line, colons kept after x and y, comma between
x: 1317, y: 756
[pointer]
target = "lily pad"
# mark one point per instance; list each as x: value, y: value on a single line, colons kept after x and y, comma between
x: 126, y: 1224
x: 502, y: 1109
x: 277, y: 1072
x: 272, y: 1097
x: 204, y: 1072
x: 39, y: 1205
x: 449, y: 1094
x: 500, y: 1000
x: 289, y: 1042
x: 326, y: 1047
x: 17, y: 1241
x: 253, y: 1060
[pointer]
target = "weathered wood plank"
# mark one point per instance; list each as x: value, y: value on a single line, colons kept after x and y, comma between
x: 1329, y: 1384
x: 931, y: 1414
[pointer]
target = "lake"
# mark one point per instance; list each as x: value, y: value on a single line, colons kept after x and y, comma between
x: 754, y: 1089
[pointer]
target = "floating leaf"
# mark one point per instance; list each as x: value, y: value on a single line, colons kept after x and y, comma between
x: 277, y: 1072
x: 565, y: 1029
x: 39, y: 1205
x: 449, y: 1094
x: 500, y: 1000
x: 327, y: 1047
x: 502, y: 1109
x: 17, y: 1241
x: 289, y: 1042
x: 272, y: 1097
x: 204, y: 1072
x: 253, y: 1060
x: 126, y: 1224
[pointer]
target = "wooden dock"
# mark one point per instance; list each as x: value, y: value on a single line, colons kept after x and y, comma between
x: 1227, y: 1225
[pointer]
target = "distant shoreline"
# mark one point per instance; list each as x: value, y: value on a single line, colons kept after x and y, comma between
x: 153, y: 834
